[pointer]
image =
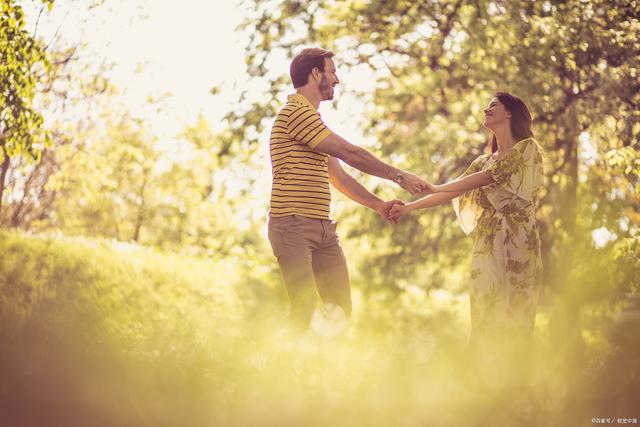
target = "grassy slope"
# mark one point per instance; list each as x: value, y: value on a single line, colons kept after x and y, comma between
x: 96, y: 333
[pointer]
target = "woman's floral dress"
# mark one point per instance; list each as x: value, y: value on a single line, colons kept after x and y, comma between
x: 506, y: 266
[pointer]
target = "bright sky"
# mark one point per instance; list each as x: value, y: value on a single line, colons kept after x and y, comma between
x: 157, y: 47
x: 185, y: 48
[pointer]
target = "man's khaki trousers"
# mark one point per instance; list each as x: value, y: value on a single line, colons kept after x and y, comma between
x: 310, y: 258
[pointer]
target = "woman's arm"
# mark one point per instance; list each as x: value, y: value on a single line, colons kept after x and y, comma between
x: 443, y: 193
x: 469, y: 182
x: 430, y: 201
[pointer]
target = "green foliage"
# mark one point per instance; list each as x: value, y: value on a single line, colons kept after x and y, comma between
x: 125, y: 185
x: 122, y: 292
x: 106, y: 183
x: 21, y: 55
x: 115, y: 334
x: 434, y: 65
x: 123, y: 335
x: 85, y: 316
x: 68, y: 92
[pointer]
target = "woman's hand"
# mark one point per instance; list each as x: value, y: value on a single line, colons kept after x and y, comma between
x: 384, y: 208
x: 397, y: 211
x: 430, y: 188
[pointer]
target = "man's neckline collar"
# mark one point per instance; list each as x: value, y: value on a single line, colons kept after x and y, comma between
x: 303, y: 99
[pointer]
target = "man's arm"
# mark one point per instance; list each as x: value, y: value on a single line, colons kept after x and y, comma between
x: 351, y: 188
x: 361, y: 159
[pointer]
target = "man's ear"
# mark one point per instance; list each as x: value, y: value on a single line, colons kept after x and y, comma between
x: 315, y: 72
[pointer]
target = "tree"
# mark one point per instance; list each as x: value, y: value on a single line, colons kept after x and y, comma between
x: 68, y: 84
x: 21, y: 55
x: 434, y: 65
x: 71, y: 92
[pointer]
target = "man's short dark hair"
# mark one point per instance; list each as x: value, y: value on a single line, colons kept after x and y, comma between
x: 304, y: 62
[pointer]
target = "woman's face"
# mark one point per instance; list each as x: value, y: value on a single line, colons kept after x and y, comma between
x: 495, y: 115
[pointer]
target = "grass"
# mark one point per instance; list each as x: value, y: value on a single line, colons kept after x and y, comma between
x: 98, y: 333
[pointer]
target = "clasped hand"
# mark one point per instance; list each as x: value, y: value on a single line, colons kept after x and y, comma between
x: 397, y: 211
x: 396, y: 208
x: 384, y: 209
x: 416, y: 185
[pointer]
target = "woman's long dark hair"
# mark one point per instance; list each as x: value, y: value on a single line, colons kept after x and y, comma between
x: 520, y: 118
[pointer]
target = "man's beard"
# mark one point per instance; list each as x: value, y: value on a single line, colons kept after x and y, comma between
x: 325, y: 89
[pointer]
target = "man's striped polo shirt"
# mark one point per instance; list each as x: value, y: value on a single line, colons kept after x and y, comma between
x: 300, y: 174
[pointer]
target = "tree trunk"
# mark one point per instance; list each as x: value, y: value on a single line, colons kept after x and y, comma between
x: 22, y: 206
x: 3, y: 173
x: 140, y: 217
x: 565, y: 315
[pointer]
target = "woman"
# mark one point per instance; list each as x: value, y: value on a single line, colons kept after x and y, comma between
x: 496, y: 198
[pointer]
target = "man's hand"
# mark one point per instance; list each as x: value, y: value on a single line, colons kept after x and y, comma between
x: 414, y: 184
x: 429, y: 188
x: 384, y: 208
x: 397, y: 211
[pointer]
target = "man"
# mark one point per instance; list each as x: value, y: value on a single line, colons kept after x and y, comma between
x: 304, y: 159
